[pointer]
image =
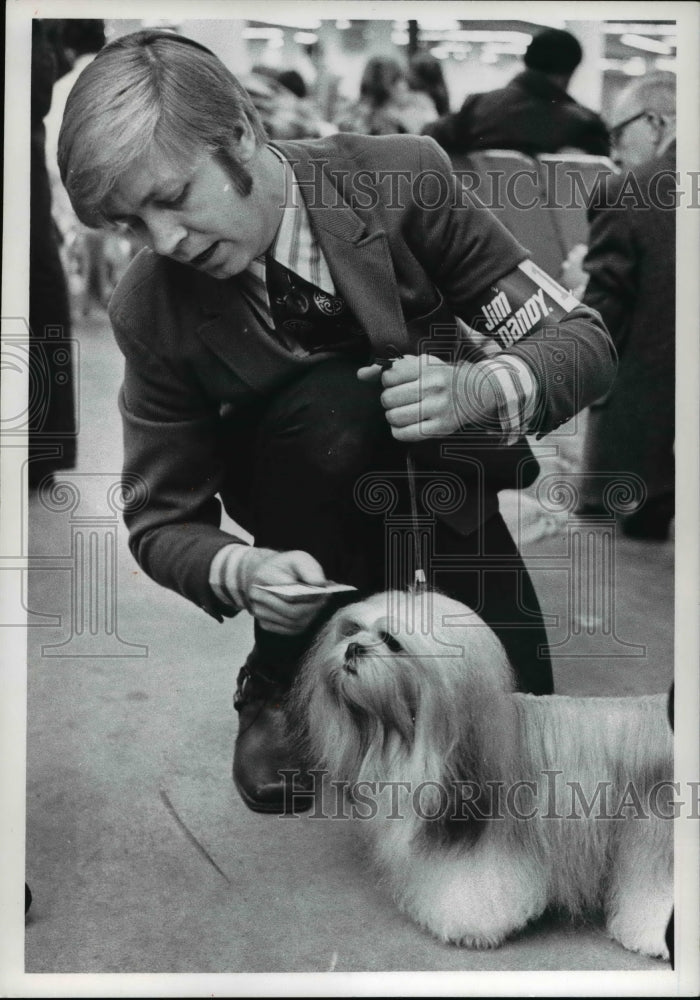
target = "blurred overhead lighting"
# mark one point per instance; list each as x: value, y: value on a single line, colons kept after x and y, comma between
x: 305, y: 37
x: 505, y: 49
x: 455, y: 48
x: 343, y: 24
x: 519, y: 38
x: 262, y: 33
x: 548, y: 22
x: 164, y: 23
x: 650, y: 28
x: 636, y: 66
x: 647, y: 44
x: 438, y: 24
x: 666, y: 64
x: 308, y: 23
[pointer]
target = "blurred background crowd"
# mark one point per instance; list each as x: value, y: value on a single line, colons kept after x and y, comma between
x: 311, y: 78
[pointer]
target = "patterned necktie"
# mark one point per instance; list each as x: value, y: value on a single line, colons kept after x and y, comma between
x: 318, y: 321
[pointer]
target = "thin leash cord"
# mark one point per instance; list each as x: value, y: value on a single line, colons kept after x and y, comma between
x: 419, y: 580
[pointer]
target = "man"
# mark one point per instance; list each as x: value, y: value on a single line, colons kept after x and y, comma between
x: 275, y: 276
x: 533, y: 113
x: 631, y: 267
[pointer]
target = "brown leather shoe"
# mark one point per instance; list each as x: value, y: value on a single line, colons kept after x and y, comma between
x: 262, y: 750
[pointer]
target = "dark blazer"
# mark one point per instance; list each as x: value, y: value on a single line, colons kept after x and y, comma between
x: 631, y: 263
x: 195, y: 353
x: 531, y: 114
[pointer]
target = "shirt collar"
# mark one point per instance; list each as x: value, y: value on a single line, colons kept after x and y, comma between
x: 288, y: 231
x: 295, y: 245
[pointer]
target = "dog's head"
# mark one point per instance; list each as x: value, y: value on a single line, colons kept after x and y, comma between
x: 396, y: 675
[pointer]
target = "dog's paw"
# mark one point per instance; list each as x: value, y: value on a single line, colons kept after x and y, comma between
x: 644, y: 944
x: 652, y: 950
x: 641, y: 925
x: 479, y: 942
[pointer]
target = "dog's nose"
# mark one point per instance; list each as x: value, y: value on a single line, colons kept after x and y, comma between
x: 351, y: 653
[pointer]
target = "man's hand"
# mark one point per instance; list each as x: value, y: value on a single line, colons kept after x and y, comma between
x: 424, y: 397
x: 287, y: 615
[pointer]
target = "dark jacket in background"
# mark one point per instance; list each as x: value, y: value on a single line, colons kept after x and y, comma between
x: 52, y: 413
x: 531, y: 115
x: 631, y: 261
x: 52, y: 424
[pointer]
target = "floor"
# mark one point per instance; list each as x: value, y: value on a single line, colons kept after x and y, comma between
x: 140, y: 856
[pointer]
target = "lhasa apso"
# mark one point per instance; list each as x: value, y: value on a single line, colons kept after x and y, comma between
x: 502, y: 804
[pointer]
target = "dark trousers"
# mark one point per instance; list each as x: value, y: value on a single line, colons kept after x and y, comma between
x: 298, y: 459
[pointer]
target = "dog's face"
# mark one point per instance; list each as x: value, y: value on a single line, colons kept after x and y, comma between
x: 365, y: 662
x: 397, y: 670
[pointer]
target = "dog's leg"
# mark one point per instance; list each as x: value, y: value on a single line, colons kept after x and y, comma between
x: 475, y: 899
x: 641, y: 893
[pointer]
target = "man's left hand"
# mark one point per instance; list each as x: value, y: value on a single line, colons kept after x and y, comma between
x: 425, y: 397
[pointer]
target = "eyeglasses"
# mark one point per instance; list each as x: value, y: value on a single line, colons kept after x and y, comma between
x: 617, y: 130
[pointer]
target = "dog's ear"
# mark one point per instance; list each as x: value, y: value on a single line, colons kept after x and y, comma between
x: 466, y: 742
x: 465, y: 684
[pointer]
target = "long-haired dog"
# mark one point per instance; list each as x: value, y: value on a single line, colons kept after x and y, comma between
x: 503, y: 803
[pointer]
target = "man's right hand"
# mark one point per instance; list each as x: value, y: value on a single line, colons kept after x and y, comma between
x: 285, y: 615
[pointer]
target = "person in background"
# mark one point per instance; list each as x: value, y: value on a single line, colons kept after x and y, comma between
x: 425, y: 76
x: 293, y: 81
x: 533, y: 113
x: 52, y: 423
x: 386, y: 105
x: 281, y: 98
x: 279, y: 108
x: 630, y: 265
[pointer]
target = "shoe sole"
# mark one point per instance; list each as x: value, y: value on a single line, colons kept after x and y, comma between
x: 300, y: 803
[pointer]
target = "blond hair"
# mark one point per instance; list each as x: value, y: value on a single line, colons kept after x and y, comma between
x: 149, y: 92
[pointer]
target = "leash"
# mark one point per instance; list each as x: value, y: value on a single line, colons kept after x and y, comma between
x: 419, y: 579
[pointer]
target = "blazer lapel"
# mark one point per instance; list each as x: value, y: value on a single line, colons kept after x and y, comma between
x: 359, y: 262
x: 231, y: 328
x: 361, y: 267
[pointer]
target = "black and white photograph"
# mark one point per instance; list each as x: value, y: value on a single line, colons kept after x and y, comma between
x: 349, y: 470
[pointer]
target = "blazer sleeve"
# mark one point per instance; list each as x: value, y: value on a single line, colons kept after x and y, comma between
x: 172, y: 451
x: 466, y: 250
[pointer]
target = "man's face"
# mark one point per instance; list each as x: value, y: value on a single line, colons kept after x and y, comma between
x: 634, y: 133
x: 193, y: 213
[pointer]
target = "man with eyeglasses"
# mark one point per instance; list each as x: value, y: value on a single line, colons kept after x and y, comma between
x: 645, y: 121
x: 631, y: 267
